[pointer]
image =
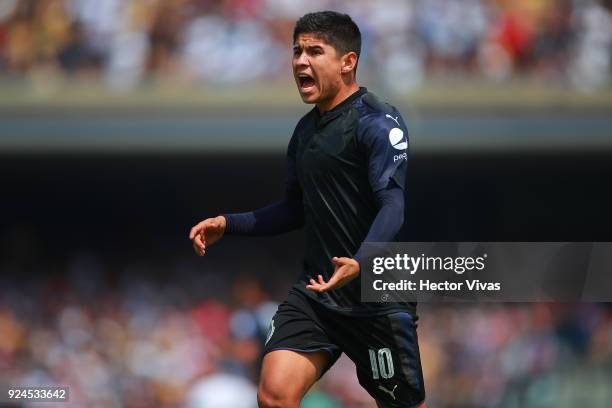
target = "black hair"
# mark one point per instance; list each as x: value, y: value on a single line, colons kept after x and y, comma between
x: 337, y: 29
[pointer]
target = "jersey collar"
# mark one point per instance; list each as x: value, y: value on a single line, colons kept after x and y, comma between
x: 338, y: 109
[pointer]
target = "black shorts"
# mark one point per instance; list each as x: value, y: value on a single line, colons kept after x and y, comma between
x: 384, y: 348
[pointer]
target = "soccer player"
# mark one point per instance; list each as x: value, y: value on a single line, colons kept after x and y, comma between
x: 346, y: 167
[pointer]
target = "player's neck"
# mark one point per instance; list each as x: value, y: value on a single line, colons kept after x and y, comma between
x: 344, y: 93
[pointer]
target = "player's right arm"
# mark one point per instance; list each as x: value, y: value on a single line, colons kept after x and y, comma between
x: 279, y: 217
x: 206, y: 233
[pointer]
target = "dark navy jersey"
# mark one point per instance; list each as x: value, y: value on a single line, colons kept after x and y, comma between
x: 336, y: 163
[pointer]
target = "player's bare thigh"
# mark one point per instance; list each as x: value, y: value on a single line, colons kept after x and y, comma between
x: 287, y: 375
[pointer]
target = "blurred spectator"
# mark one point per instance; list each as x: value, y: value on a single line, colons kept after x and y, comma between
x: 223, y: 42
x: 222, y: 391
x: 592, y: 56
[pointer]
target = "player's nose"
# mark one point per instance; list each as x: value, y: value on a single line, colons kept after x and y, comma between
x: 300, y: 59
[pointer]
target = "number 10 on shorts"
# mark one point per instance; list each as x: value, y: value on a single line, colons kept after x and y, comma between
x: 382, y: 363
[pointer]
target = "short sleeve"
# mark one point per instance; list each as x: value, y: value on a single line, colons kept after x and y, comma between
x: 385, y: 138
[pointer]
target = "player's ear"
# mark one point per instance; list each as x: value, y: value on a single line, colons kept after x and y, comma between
x: 349, y: 61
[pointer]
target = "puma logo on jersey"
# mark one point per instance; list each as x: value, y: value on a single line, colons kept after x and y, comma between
x: 391, y: 393
x: 393, y: 118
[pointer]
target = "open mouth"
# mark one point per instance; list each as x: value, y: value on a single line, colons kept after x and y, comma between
x: 306, y: 82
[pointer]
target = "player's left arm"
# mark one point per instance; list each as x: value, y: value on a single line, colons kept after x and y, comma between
x: 385, y: 138
x: 385, y: 227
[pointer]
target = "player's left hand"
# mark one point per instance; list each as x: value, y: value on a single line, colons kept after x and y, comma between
x: 346, y: 270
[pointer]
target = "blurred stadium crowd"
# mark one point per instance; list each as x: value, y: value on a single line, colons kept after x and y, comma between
x: 189, y: 335
x: 193, y: 340
x: 224, y: 42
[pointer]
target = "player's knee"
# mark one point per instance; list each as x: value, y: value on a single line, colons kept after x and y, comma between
x: 275, y: 397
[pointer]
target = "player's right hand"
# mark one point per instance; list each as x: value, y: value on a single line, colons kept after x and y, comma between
x: 206, y: 233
